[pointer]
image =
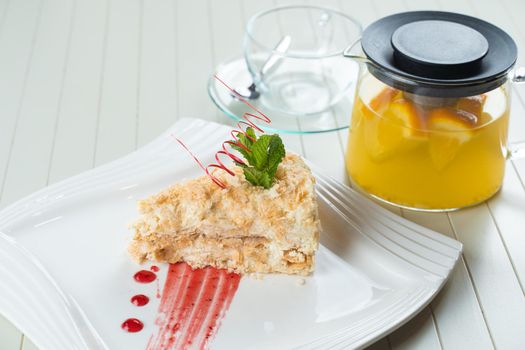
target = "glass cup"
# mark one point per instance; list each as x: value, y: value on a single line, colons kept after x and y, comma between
x: 310, y: 75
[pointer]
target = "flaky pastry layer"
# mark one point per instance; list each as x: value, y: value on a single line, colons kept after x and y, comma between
x: 243, y: 228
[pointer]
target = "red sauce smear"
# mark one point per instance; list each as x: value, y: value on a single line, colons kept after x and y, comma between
x: 158, y: 290
x: 139, y: 300
x: 154, y: 268
x: 192, y: 305
x: 132, y: 325
x: 145, y: 276
x: 246, y: 123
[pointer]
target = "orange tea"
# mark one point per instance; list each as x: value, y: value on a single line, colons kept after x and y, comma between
x: 424, y: 152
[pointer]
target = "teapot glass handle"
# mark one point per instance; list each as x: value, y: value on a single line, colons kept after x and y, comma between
x: 518, y: 75
x: 517, y: 149
x: 359, y: 58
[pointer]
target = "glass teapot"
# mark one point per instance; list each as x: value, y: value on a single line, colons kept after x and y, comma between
x: 431, y: 112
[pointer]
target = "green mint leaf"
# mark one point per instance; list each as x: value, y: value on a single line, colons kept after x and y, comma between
x: 251, y: 133
x: 247, y: 155
x: 257, y: 177
x: 247, y: 138
x: 260, y: 152
x: 263, y: 155
x: 247, y: 142
x: 276, y: 154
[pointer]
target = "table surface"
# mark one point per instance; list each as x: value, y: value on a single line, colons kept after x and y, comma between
x: 85, y: 82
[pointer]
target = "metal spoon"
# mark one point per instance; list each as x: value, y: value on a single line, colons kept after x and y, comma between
x: 251, y: 92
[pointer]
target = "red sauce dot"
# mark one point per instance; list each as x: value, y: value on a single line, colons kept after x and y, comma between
x: 139, y: 300
x: 145, y: 276
x: 154, y: 268
x: 132, y: 325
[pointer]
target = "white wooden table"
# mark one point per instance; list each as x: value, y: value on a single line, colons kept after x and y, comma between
x: 83, y: 82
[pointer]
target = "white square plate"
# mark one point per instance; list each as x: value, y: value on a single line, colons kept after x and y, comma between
x: 66, y: 279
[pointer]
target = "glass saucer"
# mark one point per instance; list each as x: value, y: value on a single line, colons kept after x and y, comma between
x: 235, y: 74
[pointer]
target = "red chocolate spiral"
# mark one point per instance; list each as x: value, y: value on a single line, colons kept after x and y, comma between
x: 247, y: 123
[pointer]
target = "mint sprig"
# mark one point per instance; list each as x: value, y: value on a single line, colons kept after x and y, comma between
x: 263, y: 154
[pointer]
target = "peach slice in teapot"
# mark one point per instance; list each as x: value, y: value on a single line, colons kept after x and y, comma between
x: 448, y: 130
x: 398, y: 129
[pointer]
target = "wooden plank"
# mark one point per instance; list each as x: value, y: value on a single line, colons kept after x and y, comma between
x: 227, y: 23
x: 499, y: 14
x: 74, y: 143
x: 292, y: 142
x: 158, y: 77
x: 27, y: 344
x: 503, y: 15
x: 363, y: 11
x: 478, y: 214
x: 4, y: 7
x: 502, y: 302
x: 458, y: 316
x: 10, y: 336
x: 118, y: 109
x: 505, y: 216
x: 512, y: 11
x: 381, y: 344
x: 31, y: 149
x: 421, y: 5
x: 315, y: 147
x: 324, y: 149
x: 385, y: 8
x: 194, y: 61
x: 22, y: 44
x: 17, y: 39
x: 462, y: 6
x: 448, y: 327
x: 508, y: 211
x: 519, y: 166
x: 327, y: 150
x: 429, y: 335
x: 417, y: 333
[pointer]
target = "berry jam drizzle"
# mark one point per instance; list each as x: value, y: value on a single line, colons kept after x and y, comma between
x: 139, y: 300
x: 247, y: 122
x: 132, y: 325
x: 193, y: 303
x: 158, y: 290
x: 154, y: 268
x: 145, y: 276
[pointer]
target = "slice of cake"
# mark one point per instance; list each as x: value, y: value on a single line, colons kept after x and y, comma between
x: 242, y: 227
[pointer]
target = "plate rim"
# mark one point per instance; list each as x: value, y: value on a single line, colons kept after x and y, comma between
x: 42, y: 198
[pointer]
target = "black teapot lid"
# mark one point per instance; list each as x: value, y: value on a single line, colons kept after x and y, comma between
x: 436, y: 53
